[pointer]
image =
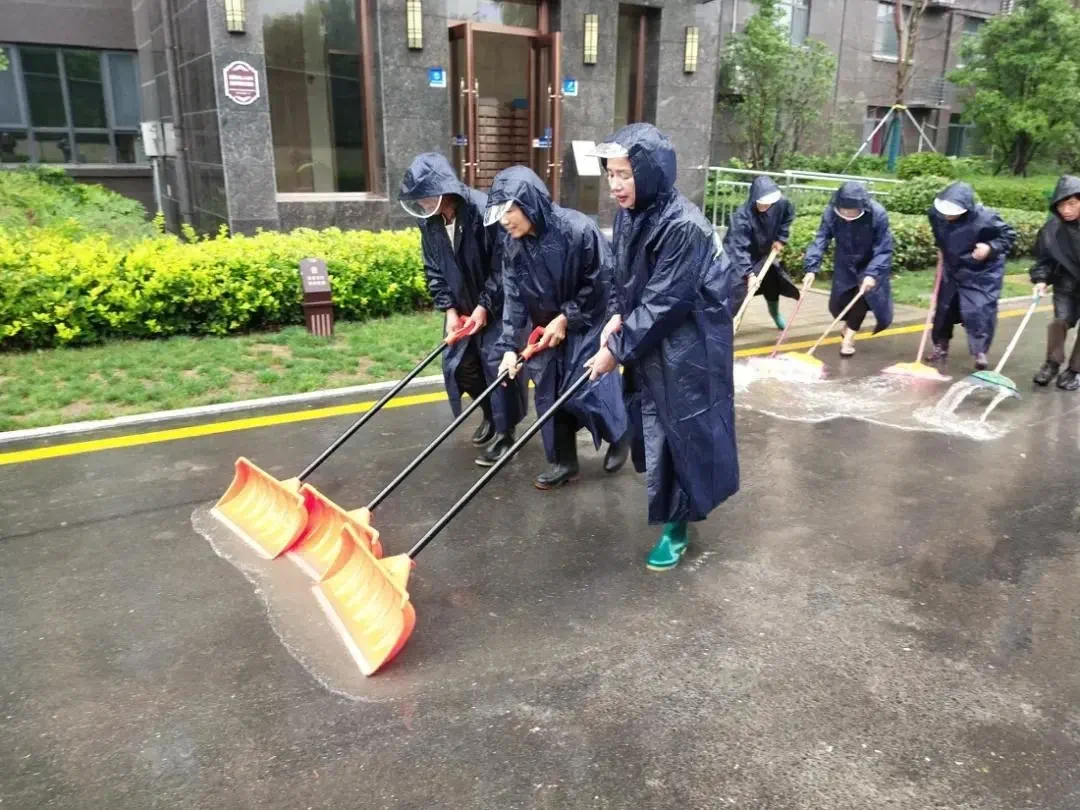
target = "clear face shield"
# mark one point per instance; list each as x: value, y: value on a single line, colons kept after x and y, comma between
x: 496, y: 212
x: 607, y: 151
x: 422, y: 208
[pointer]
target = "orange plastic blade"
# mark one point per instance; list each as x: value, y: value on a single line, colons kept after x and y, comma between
x: 322, y: 549
x: 268, y: 514
x: 368, y: 605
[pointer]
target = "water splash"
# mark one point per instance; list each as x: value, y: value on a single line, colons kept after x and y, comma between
x: 892, y: 401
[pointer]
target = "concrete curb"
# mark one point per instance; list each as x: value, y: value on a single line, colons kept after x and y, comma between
x: 155, y: 417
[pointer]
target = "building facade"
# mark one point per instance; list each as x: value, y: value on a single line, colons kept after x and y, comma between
x: 286, y: 113
x: 862, y: 35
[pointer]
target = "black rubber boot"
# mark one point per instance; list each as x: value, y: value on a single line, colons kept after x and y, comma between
x: 1069, y: 380
x: 617, y: 454
x: 565, y: 468
x: 556, y: 476
x: 484, y: 432
x: 496, y: 450
x: 1045, y: 374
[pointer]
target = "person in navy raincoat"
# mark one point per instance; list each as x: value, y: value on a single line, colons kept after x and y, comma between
x: 1057, y: 250
x: 862, y: 260
x: 670, y: 327
x: 759, y: 226
x: 557, y: 274
x: 974, y: 242
x: 462, y: 268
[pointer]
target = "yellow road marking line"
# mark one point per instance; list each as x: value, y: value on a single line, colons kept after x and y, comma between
x: 272, y: 420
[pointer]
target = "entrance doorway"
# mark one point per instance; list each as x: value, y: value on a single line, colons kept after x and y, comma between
x: 505, y: 87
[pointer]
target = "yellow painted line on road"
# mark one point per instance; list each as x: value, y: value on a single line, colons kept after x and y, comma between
x: 273, y: 420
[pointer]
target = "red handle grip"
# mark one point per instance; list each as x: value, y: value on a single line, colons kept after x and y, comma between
x: 532, y: 345
x: 466, y: 328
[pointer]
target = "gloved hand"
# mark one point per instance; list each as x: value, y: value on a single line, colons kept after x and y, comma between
x: 510, y: 364
x: 612, y: 327
x: 868, y: 283
x: 1039, y: 289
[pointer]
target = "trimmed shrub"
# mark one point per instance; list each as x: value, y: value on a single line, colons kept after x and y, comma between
x: 55, y: 291
x: 1028, y: 194
x: 914, y: 196
x: 923, y: 164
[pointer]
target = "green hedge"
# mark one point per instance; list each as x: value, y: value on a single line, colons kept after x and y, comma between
x: 55, y: 291
x: 913, y: 241
x: 1029, y: 194
x: 923, y: 164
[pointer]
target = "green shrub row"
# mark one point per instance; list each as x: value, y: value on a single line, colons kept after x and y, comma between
x: 913, y: 241
x: 55, y: 291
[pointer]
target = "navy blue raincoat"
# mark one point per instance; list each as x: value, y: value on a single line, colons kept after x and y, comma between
x: 464, y: 275
x: 750, y: 237
x: 864, y: 247
x: 975, y: 285
x: 562, y: 268
x: 676, y: 340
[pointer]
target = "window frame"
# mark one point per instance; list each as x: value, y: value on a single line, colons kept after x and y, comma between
x: 111, y: 129
x: 878, y: 54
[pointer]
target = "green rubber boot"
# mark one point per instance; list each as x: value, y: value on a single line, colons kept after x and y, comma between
x: 670, y: 548
x: 774, y: 310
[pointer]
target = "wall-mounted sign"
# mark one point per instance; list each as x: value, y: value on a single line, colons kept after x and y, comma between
x: 461, y: 140
x: 569, y: 87
x: 241, y: 83
x: 436, y: 77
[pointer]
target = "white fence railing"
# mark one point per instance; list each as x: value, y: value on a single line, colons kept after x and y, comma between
x: 726, y: 189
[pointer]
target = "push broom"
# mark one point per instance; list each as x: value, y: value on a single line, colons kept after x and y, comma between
x: 751, y: 289
x: 919, y: 369
x: 995, y: 380
x: 367, y: 601
x: 268, y: 514
x: 805, y: 362
x: 322, y: 549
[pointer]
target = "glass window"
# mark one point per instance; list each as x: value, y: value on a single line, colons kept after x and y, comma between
x: 794, y: 18
x: 41, y: 73
x: 972, y: 26
x: 85, y: 88
x: 959, y: 137
x: 10, y: 112
x: 14, y: 146
x: 124, y: 82
x: 314, y: 79
x: 885, y: 35
x: 521, y: 13
x: 83, y: 106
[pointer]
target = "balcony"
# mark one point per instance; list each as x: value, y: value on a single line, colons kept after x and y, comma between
x: 934, y: 92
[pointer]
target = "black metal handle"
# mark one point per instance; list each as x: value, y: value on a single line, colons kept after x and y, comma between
x: 427, y: 451
x: 389, y: 395
x: 486, y: 477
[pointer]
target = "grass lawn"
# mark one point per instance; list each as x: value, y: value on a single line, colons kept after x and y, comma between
x: 53, y: 386
x: 914, y: 289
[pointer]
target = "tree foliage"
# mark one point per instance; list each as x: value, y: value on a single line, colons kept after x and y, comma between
x: 779, y: 89
x: 1024, y: 71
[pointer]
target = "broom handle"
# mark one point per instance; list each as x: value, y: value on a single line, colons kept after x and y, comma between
x: 359, y: 423
x: 791, y: 320
x: 752, y: 288
x: 933, y: 308
x: 502, y: 462
x: 1019, y: 331
x: 839, y: 318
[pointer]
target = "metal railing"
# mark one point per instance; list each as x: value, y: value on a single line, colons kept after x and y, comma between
x: 726, y: 189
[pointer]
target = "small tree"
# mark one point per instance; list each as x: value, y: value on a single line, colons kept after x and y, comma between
x: 1024, y: 70
x: 781, y: 88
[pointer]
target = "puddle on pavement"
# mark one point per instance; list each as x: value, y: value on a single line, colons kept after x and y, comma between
x: 896, y: 402
x: 295, y: 615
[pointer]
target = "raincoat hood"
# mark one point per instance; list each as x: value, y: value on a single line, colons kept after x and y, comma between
x: 430, y: 175
x: 652, y: 158
x: 852, y: 195
x: 761, y: 187
x: 521, y: 185
x: 960, y: 194
x: 1067, y: 186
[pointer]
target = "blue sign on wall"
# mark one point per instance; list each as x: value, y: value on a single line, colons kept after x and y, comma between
x: 569, y: 87
x: 436, y: 77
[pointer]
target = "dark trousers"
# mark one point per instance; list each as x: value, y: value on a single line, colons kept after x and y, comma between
x: 857, y: 314
x: 566, y: 428
x: 1066, y: 313
x: 470, y: 377
x: 942, y: 331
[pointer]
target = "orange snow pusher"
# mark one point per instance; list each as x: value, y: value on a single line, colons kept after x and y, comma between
x: 272, y: 515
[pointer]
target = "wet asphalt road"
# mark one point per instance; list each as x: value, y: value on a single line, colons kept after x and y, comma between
x: 879, y: 619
